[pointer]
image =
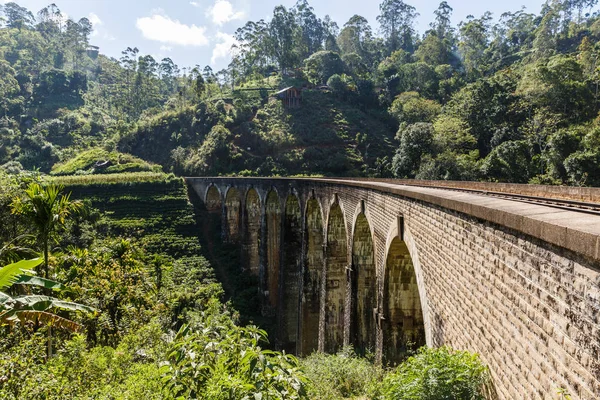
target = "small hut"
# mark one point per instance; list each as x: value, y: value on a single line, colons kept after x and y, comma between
x: 291, y: 96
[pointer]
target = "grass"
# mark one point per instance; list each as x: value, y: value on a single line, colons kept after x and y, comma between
x: 130, y: 178
x: 85, y: 163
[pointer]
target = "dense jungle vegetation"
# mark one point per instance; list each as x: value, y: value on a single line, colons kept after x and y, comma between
x: 108, y: 293
x: 511, y: 99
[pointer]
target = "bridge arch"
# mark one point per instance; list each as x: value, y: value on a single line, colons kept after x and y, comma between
x: 336, y: 279
x: 273, y: 246
x: 212, y: 199
x: 233, y: 215
x: 312, y: 306
x: 291, y: 272
x: 363, y: 285
x: 252, y: 218
x: 404, y: 304
x: 490, y: 266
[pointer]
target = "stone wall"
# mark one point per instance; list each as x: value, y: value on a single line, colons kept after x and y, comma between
x: 444, y: 276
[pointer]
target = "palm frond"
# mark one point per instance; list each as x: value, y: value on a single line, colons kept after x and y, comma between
x: 43, y: 303
x: 33, y: 280
x: 70, y: 306
x: 9, y: 274
x: 34, y: 302
x: 42, y: 317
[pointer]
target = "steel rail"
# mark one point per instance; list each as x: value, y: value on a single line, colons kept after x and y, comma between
x: 565, y: 204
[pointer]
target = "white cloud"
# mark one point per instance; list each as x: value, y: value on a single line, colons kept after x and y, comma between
x: 95, y: 19
x: 166, y: 48
x: 109, y: 37
x: 163, y: 29
x: 96, y: 22
x: 194, y: 3
x: 222, y: 11
x: 222, y: 48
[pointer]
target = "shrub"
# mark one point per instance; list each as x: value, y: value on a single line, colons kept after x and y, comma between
x: 435, y: 374
x: 340, y: 376
x: 219, y: 360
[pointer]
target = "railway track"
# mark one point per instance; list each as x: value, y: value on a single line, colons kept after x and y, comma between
x: 564, y: 204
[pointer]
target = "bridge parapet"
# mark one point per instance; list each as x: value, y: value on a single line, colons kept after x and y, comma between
x: 383, y: 264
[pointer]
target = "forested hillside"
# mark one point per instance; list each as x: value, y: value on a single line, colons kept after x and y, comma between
x: 106, y: 289
x: 511, y: 97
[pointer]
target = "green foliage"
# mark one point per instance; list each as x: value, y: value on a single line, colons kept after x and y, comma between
x: 415, y: 141
x: 10, y: 274
x: 509, y: 162
x: 320, y: 66
x: 127, y: 178
x: 100, y: 161
x: 341, y: 376
x: 215, y: 153
x: 130, y: 371
x: 438, y: 374
x: 526, y: 77
x: 410, y: 108
x: 219, y: 360
x: 47, y: 209
x: 33, y: 308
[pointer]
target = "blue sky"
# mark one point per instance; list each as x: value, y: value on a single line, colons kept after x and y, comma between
x: 199, y: 31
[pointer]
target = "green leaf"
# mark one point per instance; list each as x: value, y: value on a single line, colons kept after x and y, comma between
x: 66, y: 305
x: 33, y: 280
x: 4, y: 298
x: 9, y: 274
x: 35, y: 302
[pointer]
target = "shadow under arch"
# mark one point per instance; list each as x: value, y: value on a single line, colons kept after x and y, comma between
x: 212, y: 199
x: 291, y: 272
x: 405, y: 324
x: 251, y: 246
x: 273, y: 246
x: 335, y: 278
x: 233, y: 215
x: 364, y: 287
x: 312, y: 279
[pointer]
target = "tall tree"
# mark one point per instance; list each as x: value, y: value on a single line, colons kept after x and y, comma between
x: 253, y: 41
x: 474, y: 40
x: 18, y: 17
x: 357, y: 37
x: 283, y: 31
x: 313, y: 31
x: 396, y: 21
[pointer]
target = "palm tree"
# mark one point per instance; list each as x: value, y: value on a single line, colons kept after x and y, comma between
x: 34, y: 307
x: 47, y: 208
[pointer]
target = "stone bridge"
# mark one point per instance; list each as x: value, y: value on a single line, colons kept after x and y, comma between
x: 387, y: 267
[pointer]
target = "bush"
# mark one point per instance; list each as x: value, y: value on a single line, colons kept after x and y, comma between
x: 435, y: 374
x: 322, y: 65
x: 220, y: 361
x: 340, y: 376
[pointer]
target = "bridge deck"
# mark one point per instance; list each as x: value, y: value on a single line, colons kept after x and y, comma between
x: 574, y: 229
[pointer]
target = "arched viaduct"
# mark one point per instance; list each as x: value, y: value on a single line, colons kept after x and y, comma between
x: 386, y: 267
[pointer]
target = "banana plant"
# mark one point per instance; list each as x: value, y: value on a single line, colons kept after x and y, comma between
x: 37, y: 308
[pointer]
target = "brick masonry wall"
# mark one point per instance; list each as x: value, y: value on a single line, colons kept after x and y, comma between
x: 531, y: 309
